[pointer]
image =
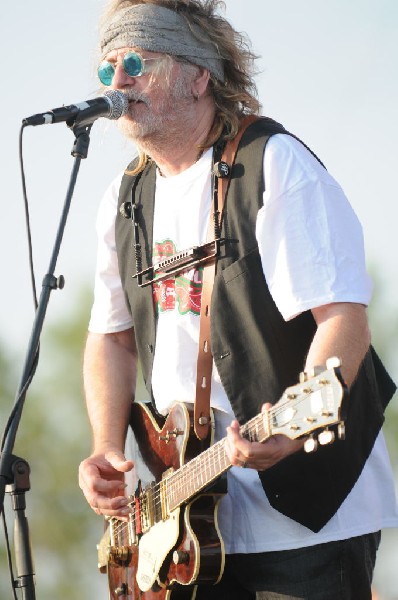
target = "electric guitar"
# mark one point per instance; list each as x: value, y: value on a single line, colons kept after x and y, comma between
x: 171, y: 540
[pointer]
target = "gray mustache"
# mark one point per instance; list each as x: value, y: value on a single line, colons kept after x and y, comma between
x: 134, y: 96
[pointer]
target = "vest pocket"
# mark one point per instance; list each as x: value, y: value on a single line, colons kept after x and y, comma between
x: 248, y: 264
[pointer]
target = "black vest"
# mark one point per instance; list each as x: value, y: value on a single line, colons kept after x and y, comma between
x: 257, y: 353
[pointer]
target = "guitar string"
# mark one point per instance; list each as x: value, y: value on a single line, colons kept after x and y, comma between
x: 180, y: 480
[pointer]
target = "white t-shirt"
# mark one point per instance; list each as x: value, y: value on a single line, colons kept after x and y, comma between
x: 312, y: 254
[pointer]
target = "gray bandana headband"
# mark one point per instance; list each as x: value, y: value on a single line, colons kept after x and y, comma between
x: 158, y: 29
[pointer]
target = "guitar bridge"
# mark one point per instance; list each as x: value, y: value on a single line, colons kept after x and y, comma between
x: 115, y: 546
x: 119, y: 556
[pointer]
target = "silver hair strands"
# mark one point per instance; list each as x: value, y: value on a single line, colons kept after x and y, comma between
x: 158, y: 29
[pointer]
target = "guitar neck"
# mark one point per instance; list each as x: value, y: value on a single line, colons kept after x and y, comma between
x: 304, y: 409
x: 202, y: 470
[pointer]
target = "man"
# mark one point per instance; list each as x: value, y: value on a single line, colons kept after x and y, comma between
x: 290, y: 291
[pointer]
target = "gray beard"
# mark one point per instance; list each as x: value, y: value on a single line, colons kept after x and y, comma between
x: 169, y: 122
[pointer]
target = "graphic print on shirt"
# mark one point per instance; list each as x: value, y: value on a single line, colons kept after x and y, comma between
x: 183, y: 291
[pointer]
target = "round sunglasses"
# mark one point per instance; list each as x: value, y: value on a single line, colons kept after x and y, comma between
x: 133, y: 64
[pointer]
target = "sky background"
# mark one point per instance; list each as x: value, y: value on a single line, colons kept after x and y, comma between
x: 327, y: 71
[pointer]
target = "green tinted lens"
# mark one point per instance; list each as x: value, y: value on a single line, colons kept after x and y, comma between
x: 133, y: 64
x: 106, y: 72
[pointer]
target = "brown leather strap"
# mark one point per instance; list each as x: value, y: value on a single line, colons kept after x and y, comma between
x: 228, y: 156
x: 205, y: 357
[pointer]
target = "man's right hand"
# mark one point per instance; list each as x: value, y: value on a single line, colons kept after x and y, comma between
x: 101, y: 478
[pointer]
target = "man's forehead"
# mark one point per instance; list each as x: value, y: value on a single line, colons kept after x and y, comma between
x: 114, y: 54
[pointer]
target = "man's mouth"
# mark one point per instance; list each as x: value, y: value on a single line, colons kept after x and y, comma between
x: 133, y: 99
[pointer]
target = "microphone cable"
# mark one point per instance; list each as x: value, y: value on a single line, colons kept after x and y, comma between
x: 32, y: 371
x: 21, y: 394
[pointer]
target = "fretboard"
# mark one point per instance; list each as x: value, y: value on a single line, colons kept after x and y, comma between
x: 199, y: 472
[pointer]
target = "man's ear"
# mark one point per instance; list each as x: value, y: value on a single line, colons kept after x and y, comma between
x: 200, y: 83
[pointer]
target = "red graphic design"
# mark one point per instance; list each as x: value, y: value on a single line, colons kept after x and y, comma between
x: 183, y: 291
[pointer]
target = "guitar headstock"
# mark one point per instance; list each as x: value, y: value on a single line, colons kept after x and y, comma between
x: 311, y: 406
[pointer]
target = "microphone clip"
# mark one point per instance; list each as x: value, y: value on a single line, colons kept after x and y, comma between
x: 221, y: 169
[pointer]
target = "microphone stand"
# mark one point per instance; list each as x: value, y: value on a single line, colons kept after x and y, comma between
x: 14, y: 471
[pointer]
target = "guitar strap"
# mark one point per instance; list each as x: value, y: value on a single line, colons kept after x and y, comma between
x: 202, y: 420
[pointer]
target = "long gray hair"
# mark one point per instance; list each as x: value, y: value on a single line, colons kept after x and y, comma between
x: 237, y: 94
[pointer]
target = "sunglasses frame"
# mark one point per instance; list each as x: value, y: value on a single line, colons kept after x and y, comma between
x: 144, y: 68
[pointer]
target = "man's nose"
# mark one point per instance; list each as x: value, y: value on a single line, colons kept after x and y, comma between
x: 121, y: 79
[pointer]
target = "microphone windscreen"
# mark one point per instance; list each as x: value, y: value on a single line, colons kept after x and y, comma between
x: 119, y: 103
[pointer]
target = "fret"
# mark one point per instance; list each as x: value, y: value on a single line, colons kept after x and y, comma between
x: 176, y: 488
x: 197, y: 474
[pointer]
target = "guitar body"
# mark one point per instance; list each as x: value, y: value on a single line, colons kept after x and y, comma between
x: 183, y: 549
x: 171, y: 542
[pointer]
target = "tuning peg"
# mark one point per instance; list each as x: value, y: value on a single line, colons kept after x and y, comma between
x: 310, y: 445
x: 303, y: 377
x: 326, y: 437
x: 333, y: 362
x: 341, y: 430
x: 314, y: 371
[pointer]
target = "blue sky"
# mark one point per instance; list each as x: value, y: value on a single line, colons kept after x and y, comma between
x: 328, y: 72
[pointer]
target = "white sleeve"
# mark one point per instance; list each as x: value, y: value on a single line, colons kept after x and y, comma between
x: 109, y: 312
x: 310, y: 240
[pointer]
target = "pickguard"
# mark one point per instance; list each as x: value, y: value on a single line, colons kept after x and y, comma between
x: 154, y: 546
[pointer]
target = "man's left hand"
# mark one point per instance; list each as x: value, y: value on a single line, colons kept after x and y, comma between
x: 243, y: 453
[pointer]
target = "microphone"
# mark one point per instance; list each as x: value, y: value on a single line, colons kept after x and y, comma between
x: 112, y: 105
